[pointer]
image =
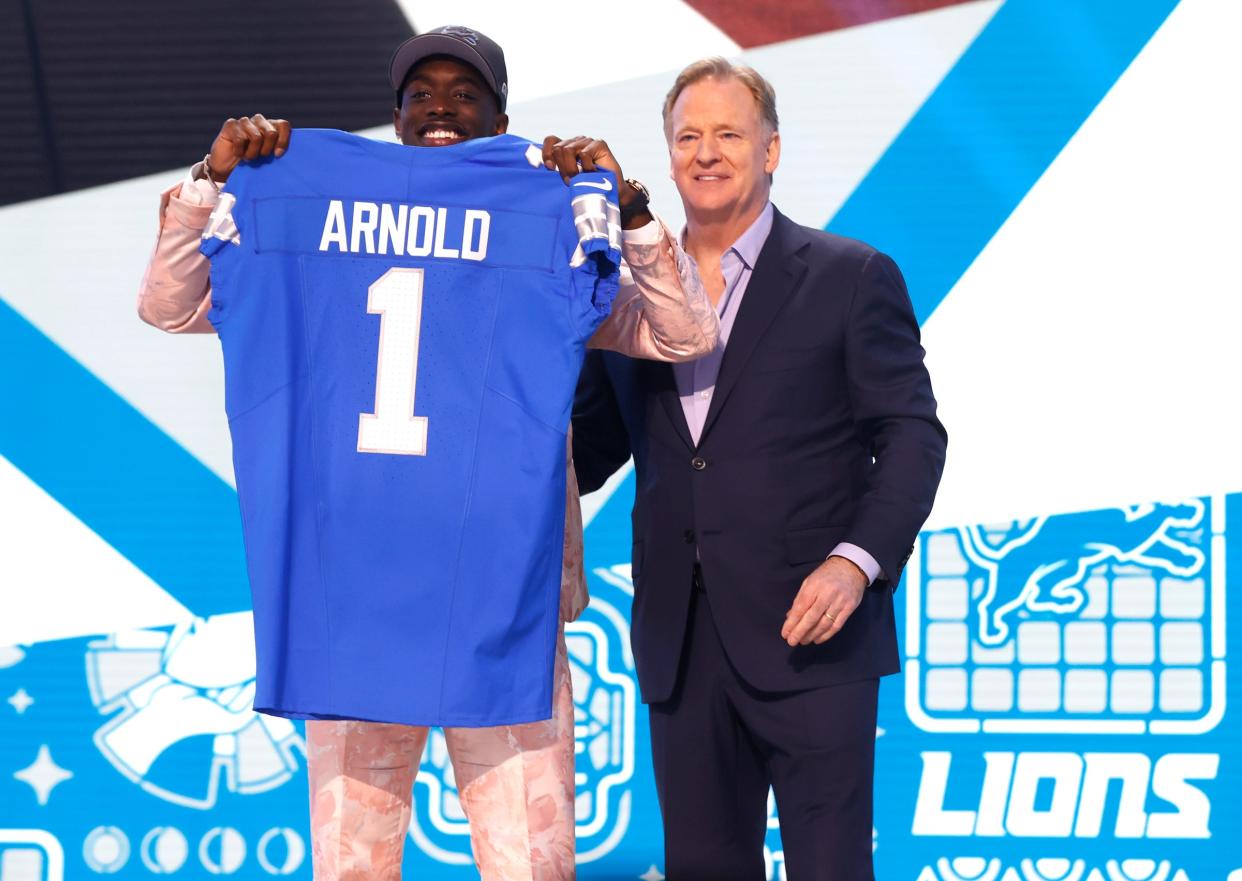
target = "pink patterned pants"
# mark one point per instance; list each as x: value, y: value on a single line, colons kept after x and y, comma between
x: 516, y: 784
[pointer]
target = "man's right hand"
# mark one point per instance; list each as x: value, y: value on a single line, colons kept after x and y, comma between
x: 246, y: 138
x: 574, y: 155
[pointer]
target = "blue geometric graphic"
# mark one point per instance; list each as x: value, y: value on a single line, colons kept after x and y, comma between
x: 189, y: 690
x: 1104, y: 622
x: 118, y: 473
x: 993, y: 126
x: 1091, y: 741
x: 1063, y: 715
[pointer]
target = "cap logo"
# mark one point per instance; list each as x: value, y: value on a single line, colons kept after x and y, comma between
x: 462, y: 33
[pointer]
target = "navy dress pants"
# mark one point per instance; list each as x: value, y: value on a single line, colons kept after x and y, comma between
x: 718, y: 745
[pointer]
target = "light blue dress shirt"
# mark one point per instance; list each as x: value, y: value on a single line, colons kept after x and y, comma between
x: 696, y: 380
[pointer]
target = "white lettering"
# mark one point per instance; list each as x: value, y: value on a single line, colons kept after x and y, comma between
x: 422, y: 225
x: 1023, y: 818
x: 441, y: 223
x: 1133, y: 771
x: 403, y: 230
x: 366, y: 218
x: 930, y: 816
x: 1193, y: 808
x: 474, y: 236
x: 334, y: 227
x: 1009, y: 795
x: 392, y: 228
x: 996, y: 780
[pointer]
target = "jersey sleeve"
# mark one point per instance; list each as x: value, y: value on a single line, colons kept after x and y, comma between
x: 596, y: 261
x: 222, y: 242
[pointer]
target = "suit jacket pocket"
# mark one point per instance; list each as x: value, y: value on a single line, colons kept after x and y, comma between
x: 811, y: 545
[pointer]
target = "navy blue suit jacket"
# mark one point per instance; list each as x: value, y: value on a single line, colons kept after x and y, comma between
x: 822, y: 429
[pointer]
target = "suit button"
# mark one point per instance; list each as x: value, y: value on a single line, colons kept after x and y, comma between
x: 698, y: 463
x: 688, y: 536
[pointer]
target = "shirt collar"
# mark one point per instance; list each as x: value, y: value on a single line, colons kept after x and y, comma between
x: 749, y: 243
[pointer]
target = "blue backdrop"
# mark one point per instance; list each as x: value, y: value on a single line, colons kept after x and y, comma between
x: 1063, y: 713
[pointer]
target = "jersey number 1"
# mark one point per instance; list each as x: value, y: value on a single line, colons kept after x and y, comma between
x: 397, y: 297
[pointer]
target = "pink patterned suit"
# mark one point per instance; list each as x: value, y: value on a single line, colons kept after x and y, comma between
x: 516, y: 782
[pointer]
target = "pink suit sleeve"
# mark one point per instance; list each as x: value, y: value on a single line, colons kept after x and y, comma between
x: 661, y: 311
x: 175, y: 294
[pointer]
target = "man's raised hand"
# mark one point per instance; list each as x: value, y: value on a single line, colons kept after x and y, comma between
x: 570, y: 156
x: 246, y: 138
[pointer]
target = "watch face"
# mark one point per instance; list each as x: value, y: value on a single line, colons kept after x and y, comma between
x: 636, y: 204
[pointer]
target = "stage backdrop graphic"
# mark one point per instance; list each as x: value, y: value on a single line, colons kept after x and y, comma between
x: 1057, y: 182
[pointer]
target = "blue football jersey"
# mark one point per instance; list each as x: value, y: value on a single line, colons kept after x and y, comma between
x: 402, y: 331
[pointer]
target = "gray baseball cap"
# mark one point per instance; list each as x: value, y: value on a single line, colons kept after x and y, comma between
x: 465, y: 44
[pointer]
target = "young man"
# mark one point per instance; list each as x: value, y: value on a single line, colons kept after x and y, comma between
x: 781, y: 482
x: 516, y: 782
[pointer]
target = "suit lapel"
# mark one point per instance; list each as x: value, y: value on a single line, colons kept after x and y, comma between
x: 777, y: 274
x: 661, y: 379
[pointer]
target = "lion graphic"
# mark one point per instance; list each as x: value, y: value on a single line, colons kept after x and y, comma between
x: 1043, y: 566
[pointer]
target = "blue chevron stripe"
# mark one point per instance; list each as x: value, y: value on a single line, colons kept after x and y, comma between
x: 118, y: 473
x: 989, y: 131
x: 933, y: 201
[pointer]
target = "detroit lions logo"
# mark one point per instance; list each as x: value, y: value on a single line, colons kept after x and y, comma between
x: 1040, y: 567
x: 462, y: 33
x: 1103, y: 621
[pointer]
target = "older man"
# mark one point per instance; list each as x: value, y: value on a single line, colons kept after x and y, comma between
x: 781, y: 482
x: 516, y: 781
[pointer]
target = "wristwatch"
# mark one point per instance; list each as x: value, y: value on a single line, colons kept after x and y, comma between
x: 636, y: 205
x: 202, y: 171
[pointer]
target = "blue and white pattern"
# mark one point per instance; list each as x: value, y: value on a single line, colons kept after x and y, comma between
x: 1056, y: 182
x: 1098, y: 623
x: 161, y: 690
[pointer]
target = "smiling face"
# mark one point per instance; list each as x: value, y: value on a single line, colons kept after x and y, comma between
x: 721, y: 152
x: 445, y: 101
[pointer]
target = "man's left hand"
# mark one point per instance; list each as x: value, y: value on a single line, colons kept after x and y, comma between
x: 573, y: 155
x: 827, y: 598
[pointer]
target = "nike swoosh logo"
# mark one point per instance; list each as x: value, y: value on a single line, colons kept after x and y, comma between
x: 605, y: 186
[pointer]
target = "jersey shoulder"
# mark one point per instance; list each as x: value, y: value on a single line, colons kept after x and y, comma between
x: 511, y: 151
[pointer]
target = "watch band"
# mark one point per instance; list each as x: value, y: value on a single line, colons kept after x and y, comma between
x: 202, y: 171
x: 638, y: 204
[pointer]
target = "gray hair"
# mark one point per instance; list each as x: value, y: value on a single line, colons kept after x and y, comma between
x: 718, y: 68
